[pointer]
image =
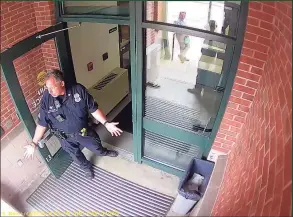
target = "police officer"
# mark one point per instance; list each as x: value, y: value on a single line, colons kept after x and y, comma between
x: 65, y: 110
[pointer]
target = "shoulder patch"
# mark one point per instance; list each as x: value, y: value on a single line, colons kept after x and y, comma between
x: 77, y: 97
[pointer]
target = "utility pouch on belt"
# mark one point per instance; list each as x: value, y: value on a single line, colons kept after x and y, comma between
x: 83, y: 132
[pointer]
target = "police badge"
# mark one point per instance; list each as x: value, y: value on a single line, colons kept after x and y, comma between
x: 76, y: 97
x: 57, y: 104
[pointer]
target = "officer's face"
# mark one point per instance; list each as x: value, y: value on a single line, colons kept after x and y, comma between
x: 55, y: 88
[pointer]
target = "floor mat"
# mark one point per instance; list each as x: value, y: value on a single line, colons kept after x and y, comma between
x: 125, y: 119
x: 105, y: 195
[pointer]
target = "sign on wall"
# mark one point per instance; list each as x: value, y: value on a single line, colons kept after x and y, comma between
x: 41, y: 82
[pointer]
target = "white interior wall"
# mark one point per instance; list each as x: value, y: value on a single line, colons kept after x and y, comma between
x: 88, y: 43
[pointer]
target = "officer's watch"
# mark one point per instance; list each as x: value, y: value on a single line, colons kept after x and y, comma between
x: 105, y: 123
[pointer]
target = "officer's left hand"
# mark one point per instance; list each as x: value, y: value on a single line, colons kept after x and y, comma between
x: 111, y: 127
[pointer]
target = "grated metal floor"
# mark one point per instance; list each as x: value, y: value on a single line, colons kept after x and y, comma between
x: 73, y: 194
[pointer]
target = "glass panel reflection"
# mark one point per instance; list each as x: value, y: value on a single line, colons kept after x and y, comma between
x: 112, y: 8
x: 169, y: 151
x: 220, y: 17
x: 184, y: 80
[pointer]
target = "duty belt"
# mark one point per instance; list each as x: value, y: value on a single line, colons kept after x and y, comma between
x: 62, y: 135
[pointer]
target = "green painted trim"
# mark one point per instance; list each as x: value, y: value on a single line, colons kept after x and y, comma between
x: 29, y: 43
x: 189, y: 31
x: 56, y: 164
x: 139, y: 79
x: 64, y: 56
x: 22, y: 109
x: 163, y: 167
x: 133, y: 60
x: 176, y: 133
x: 94, y: 20
x: 233, y: 69
x: 15, y: 91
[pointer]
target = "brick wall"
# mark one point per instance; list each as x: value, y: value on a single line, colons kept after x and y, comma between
x: 20, y: 20
x: 254, y: 54
x: 45, y: 17
x: 258, y: 177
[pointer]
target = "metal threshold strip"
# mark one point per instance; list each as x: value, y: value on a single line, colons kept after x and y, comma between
x: 105, y: 195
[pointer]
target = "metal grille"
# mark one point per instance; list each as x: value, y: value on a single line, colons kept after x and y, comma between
x: 172, y: 114
x: 73, y: 193
x: 105, y: 81
x: 171, y: 144
x: 168, y: 150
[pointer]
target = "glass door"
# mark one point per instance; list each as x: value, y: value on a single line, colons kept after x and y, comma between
x: 185, y: 51
x: 54, y: 157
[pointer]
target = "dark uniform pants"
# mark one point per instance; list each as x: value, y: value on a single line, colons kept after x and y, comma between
x: 73, y: 147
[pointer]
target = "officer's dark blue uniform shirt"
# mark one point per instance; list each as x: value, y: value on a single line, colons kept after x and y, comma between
x: 68, y: 113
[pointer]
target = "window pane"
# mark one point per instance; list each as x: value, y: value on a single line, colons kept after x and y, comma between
x: 184, y: 80
x: 220, y: 17
x: 112, y: 8
x: 169, y: 151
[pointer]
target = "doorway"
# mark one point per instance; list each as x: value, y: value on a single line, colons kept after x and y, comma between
x: 168, y: 82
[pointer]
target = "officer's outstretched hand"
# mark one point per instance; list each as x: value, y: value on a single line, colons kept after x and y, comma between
x: 111, y: 127
x: 30, y: 150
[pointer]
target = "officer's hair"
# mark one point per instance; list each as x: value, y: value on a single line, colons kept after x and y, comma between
x: 56, y: 73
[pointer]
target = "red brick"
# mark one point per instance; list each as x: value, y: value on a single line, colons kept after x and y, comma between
x: 221, y: 149
x: 239, y: 80
x: 268, y: 9
x: 253, y: 21
x: 239, y: 119
x: 252, y: 84
x: 281, y: 95
x: 255, y: 46
x: 260, y: 202
x: 226, y: 145
x: 260, y: 15
x: 256, y: 70
x: 236, y: 112
x: 260, y: 56
x: 288, y: 162
x: 40, y: 9
x: 286, y: 204
x: 248, y: 97
x: 224, y: 126
x: 232, y: 123
x: 249, y: 76
x: 244, y: 89
x: 243, y: 108
x: 15, y: 6
x: 266, y: 25
x: 246, y: 52
x: 250, y: 36
x: 267, y: 209
x: 270, y: 4
x: 11, y: 24
x: 27, y: 10
x: 240, y: 101
x: 255, y: 5
x: 265, y: 171
x: 252, y: 61
x: 271, y: 181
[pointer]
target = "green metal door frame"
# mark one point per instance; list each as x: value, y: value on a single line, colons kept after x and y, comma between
x: 129, y: 21
x: 233, y: 45
x: 58, y: 163
x: 61, y: 160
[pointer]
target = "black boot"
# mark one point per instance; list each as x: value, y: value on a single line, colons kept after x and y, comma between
x: 111, y: 153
